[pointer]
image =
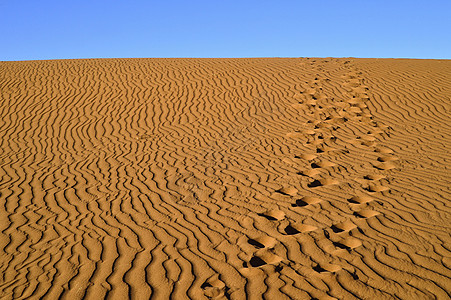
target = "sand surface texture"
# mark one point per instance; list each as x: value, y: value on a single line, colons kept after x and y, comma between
x: 225, y: 179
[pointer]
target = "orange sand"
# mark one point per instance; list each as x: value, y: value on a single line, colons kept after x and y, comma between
x: 225, y: 178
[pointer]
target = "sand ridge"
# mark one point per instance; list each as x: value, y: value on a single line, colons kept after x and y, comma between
x: 225, y: 178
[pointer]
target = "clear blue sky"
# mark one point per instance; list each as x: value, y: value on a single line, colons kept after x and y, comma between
x: 44, y: 29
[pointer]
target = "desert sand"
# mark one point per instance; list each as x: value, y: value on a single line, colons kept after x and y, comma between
x: 261, y: 178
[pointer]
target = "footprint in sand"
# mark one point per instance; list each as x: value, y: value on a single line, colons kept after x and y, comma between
x: 316, y: 166
x: 336, y: 120
x: 310, y: 172
x: 293, y: 229
x: 310, y: 131
x: 383, y: 150
x: 386, y: 158
x: 342, y: 227
x: 263, y: 257
x: 388, y: 165
x: 214, y: 288
x: 354, y: 109
x: 322, y: 148
x: 359, y: 102
x: 373, y: 188
x: 366, y: 213
x: 326, y: 268
x: 376, y: 131
x: 360, y: 199
x: 273, y: 215
x: 320, y: 139
x: 307, y: 200
x: 322, y: 182
x: 287, y: 191
x: 306, y: 156
x: 374, y: 177
x: 262, y: 242
x: 367, y: 138
x: 322, y: 164
x: 348, y: 243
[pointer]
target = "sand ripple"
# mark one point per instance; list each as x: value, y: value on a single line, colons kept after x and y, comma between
x: 221, y: 178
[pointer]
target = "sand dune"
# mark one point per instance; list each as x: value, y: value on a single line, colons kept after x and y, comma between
x: 225, y: 179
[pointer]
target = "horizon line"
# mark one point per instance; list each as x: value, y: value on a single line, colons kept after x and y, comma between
x: 225, y: 57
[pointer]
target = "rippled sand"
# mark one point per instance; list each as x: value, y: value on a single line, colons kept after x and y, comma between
x: 225, y: 178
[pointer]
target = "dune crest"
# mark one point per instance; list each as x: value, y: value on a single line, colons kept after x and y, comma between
x: 219, y: 178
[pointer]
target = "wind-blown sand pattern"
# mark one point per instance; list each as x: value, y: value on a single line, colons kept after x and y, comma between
x: 225, y: 179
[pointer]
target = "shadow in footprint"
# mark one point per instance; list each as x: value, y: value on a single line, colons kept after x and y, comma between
x: 257, y: 262
x: 343, y: 227
x: 273, y: 215
x: 375, y: 177
x: 306, y: 156
x: 319, y: 269
x: 271, y: 218
x: 301, y: 203
x: 255, y: 243
x: 315, y: 183
x: 327, y: 268
x: 336, y: 229
x: 322, y: 164
x: 360, y: 199
x: 315, y: 166
x: 376, y: 188
x: 214, y: 288
x: 365, y: 214
x: 341, y: 246
x: 290, y: 230
x: 287, y: 191
x: 307, y: 201
x: 322, y: 182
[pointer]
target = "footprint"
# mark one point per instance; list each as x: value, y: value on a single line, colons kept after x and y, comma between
x: 326, y: 268
x: 376, y: 188
x: 323, y: 149
x: 367, y: 138
x: 376, y: 131
x: 336, y: 120
x: 386, y: 158
x: 383, y: 150
x: 287, y: 191
x: 385, y: 165
x: 307, y: 200
x: 360, y: 199
x: 306, y: 156
x: 366, y: 213
x: 214, y: 288
x: 374, y: 177
x: 322, y: 182
x: 293, y: 229
x: 345, y: 226
x: 290, y: 230
x: 360, y: 89
x: 263, y: 242
x: 273, y: 215
x: 354, y: 109
x: 310, y: 173
x: 320, y: 139
x: 263, y: 257
x: 363, y: 142
x: 310, y: 131
x: 348, y: 243
x: 295, y: 134
x: 322, y: 164
x: 305, y: 228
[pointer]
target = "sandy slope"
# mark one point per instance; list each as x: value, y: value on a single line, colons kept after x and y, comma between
x: 225, y: 178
